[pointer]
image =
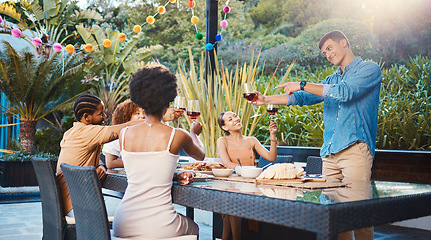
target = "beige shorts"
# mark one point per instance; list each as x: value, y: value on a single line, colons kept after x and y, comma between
x: 354, y: 162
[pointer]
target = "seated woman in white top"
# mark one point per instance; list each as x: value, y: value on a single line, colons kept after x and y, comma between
x: 150, y: 154
x: 124, y: 112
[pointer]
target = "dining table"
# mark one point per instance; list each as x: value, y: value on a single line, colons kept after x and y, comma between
x: 325, y: 210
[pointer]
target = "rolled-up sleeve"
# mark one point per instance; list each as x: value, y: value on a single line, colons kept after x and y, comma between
x: 362, y: 81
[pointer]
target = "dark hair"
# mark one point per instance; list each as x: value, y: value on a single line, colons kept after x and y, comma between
x: 152, y: 88
x: 86, y: 103
x: 124, y: 111
x: 221, y: 123
x: 335, y: 35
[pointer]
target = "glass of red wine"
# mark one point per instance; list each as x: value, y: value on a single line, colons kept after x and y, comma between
x: 193, y: 110
x: 180, y: 103
x: 272, y: 110
x: 249, y: 94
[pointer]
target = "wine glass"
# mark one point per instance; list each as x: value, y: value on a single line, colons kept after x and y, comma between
x: 249, y: 94
x: 272, y: 110
x: 193, y: 110
x: 180, y: 103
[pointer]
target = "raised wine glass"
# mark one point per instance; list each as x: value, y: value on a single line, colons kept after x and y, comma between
x: 180, y: 103
x: 272, y: 110
x: 193, y: 110
x: 249, y: 94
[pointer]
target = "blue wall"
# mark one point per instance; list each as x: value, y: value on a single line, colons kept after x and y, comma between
x: 3, y: 120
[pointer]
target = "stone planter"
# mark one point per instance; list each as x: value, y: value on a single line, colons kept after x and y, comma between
x: 17, y: 174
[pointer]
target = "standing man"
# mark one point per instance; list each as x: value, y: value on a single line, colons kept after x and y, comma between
x: 351, y: 101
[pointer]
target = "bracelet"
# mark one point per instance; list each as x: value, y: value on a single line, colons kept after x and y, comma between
x: 273, y: 140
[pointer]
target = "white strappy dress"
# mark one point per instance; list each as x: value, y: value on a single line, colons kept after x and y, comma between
x: 146, y: 210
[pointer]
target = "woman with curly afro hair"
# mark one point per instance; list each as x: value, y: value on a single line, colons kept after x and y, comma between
x: 124, y: 112
x: 150, y: 155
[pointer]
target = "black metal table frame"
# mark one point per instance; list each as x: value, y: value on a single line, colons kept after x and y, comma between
x: 325, y: 220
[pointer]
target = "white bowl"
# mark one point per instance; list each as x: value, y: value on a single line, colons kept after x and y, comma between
x: 238, y: 170
x: 250, y: 171
x: 222, y: 172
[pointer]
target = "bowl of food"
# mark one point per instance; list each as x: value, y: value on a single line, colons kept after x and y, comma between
x: 250, y: 171
x: 222, y: 172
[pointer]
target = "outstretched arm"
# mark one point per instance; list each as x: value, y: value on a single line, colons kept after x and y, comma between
x: 114, y: 130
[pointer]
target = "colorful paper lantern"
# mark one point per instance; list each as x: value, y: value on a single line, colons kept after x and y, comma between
x: 194, y: 20
x: 199, y: 36
x: 137, y: 29
x: 223, y: 23
x: 57, y: 47
x: 172, y: 1
x: 36, y: 41
x: 191, y: 4
x: 150, y: 19
x: 16, y: 32
x: 161, y: 9
x: 107, y: 43
x: 88, y: 48
x: 70, y: 48
x: 218, y: 37
x: 209, y: 46
x: 122, y: 37
x: 226, y: 9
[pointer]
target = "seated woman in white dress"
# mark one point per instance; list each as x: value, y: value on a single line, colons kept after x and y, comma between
x: 124, y: 112
x: 150, y: 153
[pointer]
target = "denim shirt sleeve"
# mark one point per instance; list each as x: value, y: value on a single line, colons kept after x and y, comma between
x: 305, y: 98
x: 357, y: 83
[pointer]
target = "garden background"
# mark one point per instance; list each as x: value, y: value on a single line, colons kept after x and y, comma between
x: 260, y: 44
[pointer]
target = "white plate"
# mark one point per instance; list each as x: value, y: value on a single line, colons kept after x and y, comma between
x: 196, y: 171
x: 202, y: 179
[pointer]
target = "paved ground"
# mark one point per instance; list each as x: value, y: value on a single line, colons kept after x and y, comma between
x: 22, y: 219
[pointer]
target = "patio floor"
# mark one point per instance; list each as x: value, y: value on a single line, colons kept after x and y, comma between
x: 21, y: 218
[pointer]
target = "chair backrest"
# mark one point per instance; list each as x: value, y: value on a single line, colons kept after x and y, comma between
x: 87, y: 201
x: 54, y: 224
x: 280, y: 159
x: 314, y: 165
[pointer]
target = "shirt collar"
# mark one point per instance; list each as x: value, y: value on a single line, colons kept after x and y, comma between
x: 352, y: 64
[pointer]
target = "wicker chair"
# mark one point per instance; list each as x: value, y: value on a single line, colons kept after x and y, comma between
x: 314, y: 165
x: 89, y: 206
x: 280, y: 159
x: 55, y: 226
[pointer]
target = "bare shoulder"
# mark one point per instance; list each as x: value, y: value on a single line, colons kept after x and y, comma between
x: 252, y: 140
x: 221, y: 140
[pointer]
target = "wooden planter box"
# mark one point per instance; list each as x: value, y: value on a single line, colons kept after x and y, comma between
x: 17, y: 174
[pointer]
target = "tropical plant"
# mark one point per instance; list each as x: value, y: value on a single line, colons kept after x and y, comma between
x: 50, y: 20
x: 115, y: 64
x: 405, y: 106
x: 35, y: 86
x: 24, y: 156
x: 219, y: 92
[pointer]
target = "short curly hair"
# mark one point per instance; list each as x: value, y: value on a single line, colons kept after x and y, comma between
x: 124, y: 111
x: 152, y: 88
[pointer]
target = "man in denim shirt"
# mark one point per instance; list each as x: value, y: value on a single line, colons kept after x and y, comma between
x: 351, y: 101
